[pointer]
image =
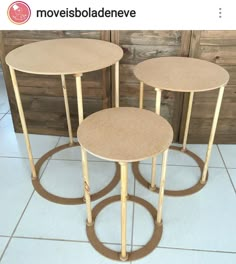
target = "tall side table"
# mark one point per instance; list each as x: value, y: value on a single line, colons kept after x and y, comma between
x: 181, y: 74
x: 61, y: 57
x: 124, y: 135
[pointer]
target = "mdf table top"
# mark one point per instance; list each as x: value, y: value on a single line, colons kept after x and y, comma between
x: 125, y: 134
x: 64, y: 56
x: 181, y: 74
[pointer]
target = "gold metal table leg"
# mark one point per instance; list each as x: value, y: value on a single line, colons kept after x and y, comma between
x: 141, y: 95
x: 158, y: 110
x: 79, y: 98
x: 79, y: 93
x: 153, y: 186
x: 86, y: 186
x: 190, y: 104
x: 158, y: 101
x: 124, y: 175
x: 162, y: 187
x: 212, y: 135
x: 117, y: 81
x: 64, y: 88
x: 23, y: 123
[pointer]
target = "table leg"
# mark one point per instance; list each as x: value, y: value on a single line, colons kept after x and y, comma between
x: 212, y: 135
x: 141, y: 95
x: 190, y: 104
x: 162, y: 187
x: 79, y: 98
x: 158, y: 110
x: 64, y: 88
x: 86, y: 186
x: 158, y: 101
x: 124, y: 181
x: 23, y: 123
x: 117, y: 94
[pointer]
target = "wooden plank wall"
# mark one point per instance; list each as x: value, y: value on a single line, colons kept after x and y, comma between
x: 142, y: 45
x: 42, y: 96
x: 218, y: 47
x: 43, y: 100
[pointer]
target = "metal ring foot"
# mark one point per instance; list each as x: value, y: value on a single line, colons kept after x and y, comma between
x: 134, y: 255
x: 69, y: 201
x: 197, y: 187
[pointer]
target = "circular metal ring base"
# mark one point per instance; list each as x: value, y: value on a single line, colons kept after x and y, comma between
x: 69, y: 201
x: 197, y: 187
x: 134, y: 255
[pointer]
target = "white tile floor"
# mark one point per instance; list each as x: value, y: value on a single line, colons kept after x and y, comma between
x: 200, y: 228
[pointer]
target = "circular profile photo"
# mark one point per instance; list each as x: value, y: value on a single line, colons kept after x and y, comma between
x: 19, y: 12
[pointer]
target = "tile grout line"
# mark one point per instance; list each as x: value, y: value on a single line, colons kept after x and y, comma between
x: 227, y: 169
x: 18, y: 157
x: 49, y: 159
x: 8, y: 157
x: 18, y: 222
x: 108, y: 243
x: 197, y: 250
x: 171, y: 165
x: 52, y: 239
x: 65, y: 240
x: 59, y: 141
x: 183, y: 165
x: 4, y: 114
x: 10, y: 238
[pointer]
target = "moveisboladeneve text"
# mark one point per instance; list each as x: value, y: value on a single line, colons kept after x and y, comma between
x: 90, y: 13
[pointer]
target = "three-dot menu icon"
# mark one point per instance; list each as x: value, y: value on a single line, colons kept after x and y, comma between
x: 220, y: 12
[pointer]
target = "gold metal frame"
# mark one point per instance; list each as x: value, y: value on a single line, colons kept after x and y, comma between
x: 203, y: 166
x: 123, y: 198
x: 35, y: 168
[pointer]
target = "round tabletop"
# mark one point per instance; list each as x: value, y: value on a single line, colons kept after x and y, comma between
x: 64, y: 56
x: 125, y: 134
x: 181, y: 74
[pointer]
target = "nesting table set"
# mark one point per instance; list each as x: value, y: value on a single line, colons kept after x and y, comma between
x: 121, y: 134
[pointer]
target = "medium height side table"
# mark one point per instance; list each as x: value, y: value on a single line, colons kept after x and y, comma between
x: 181, y: 74
x: 124, y: 135
x: 61, y: 57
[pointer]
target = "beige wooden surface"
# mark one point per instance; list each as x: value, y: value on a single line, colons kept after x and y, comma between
x: 64, y: 56
x: 125, y: 134
x: 181, y: 74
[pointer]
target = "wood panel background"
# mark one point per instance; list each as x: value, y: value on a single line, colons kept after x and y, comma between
x: 218, y: 47
x: 43, y: 99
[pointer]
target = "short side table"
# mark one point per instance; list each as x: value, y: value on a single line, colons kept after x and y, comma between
x: 61, y: 57
x: 181, y: 74
x: 124, y: 135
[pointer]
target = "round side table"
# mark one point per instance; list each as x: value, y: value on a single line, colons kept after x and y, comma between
x: 61, y: 57
x: 124, y: 135
x: 181, y: 74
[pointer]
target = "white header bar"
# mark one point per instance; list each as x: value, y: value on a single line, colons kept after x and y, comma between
x: 118, y: 15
